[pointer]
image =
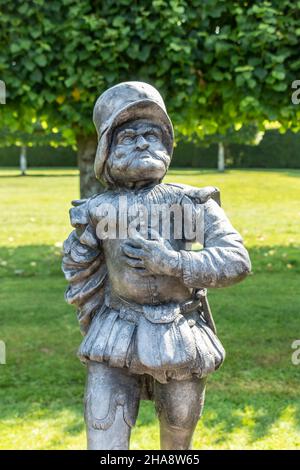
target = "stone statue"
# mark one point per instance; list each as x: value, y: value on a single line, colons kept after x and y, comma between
x: 141, y: 296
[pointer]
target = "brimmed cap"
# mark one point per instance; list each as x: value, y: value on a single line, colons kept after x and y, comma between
x: 125, y: 102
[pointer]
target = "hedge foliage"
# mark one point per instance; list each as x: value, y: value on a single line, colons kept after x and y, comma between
x: 274, y: 151
x: 39, y: 157
x: 218, y: 63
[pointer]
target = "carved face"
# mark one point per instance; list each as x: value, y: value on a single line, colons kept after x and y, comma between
x: 137, y: 153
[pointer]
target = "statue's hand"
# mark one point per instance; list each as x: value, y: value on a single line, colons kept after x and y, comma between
x: 152, y: 256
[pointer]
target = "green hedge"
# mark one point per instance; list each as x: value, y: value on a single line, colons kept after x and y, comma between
x: 187, y: 154
x: 39, y: 156
x: 274, y: 151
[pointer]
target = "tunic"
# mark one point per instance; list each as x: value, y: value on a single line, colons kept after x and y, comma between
x: 139, y: 322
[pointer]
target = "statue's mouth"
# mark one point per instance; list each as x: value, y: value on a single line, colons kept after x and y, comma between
x: 154, y: 156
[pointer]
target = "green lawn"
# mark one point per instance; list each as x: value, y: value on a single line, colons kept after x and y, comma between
x: 253, y: 402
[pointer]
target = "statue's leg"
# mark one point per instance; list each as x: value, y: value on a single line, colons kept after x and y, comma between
x: 111, y: 406
x: 179, y: 406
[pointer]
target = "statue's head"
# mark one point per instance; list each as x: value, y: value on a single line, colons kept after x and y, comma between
x: 135, y: 135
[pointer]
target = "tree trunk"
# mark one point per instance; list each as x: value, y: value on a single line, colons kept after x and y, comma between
x: 23, y: 160
x: 86, y: 152
x: 221, y: 157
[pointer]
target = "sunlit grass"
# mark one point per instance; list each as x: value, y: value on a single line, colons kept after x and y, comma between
x: 252, y: 402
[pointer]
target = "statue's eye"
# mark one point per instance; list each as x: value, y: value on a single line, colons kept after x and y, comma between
x: 152, y: 137
x: 127, y: 140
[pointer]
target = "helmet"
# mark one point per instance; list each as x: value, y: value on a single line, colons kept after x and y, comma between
x: 125, y: 102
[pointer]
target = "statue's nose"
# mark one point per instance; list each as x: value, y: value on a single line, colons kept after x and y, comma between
x: 141, y: 143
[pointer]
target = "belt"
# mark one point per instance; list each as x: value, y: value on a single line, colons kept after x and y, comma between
x: 162, y: 313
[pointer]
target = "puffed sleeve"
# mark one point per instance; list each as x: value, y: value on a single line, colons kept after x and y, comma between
x: 223, y: 260
x: 83, y: 265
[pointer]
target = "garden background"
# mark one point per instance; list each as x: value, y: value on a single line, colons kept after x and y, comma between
x: 227, y: 72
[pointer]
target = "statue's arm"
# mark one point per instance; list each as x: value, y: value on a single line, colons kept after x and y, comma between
x: 223, y: 260
x: 83, y: 265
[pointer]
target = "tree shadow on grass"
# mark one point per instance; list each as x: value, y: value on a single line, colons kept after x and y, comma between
x: 224, y: 417
x: 293, y: 173
x: 76, y: 427
x: 255, y: 412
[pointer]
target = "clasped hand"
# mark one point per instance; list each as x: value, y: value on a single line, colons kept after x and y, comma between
x: 152, y: 256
